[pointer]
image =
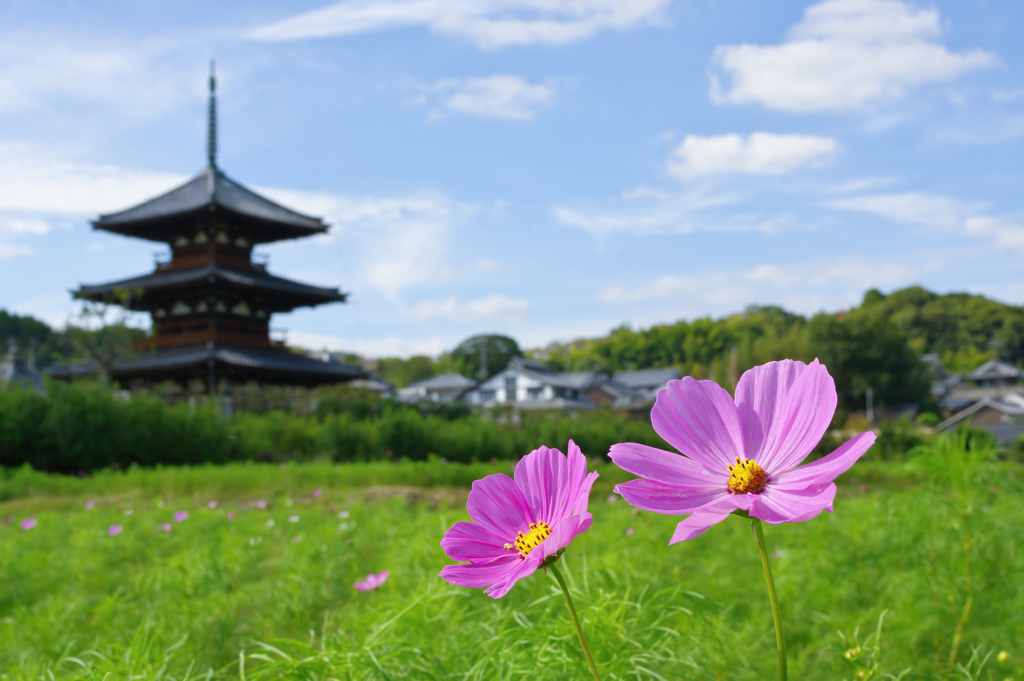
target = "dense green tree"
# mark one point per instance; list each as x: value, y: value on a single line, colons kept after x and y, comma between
x: 483, y: 356
x: 30, y: 333
x: 402, y: 372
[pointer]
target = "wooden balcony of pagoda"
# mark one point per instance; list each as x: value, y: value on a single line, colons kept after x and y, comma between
x: 197, y: 256
x: 172, y: 334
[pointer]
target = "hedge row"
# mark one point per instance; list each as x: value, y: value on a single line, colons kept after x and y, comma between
x: 83, y: 427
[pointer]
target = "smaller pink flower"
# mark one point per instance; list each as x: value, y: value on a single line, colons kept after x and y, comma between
x: 114, y: 530
x: 28, y: 523
x: 180, y: 516
x: 612, y: 498
x: 212, y: 505
x: 261, y: 504
x: 520, y: 523
x: 372, y: 581
x: 231, y: 516
x: 89, y: 505
x: 165, y: 527
x: 317, y: 493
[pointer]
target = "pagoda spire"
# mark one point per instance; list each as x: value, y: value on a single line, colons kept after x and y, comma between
x: 211, y: 134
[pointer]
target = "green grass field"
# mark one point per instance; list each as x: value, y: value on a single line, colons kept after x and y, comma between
x: 269, y: 594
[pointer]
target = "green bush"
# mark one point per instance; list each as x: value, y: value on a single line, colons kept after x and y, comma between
x: 928, y: 418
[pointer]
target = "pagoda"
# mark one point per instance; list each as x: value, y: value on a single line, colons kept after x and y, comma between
x: 210, y: 302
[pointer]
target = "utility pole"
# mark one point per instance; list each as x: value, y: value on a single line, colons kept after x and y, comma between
x: 869, y: 395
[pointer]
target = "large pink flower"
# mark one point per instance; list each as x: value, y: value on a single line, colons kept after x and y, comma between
x: 743, y: 454
x: 519, y: 523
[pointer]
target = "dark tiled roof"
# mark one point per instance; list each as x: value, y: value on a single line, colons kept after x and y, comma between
x: 995, y: 369
x: 211, y: 188
x: 190, y: 277
x: 444, y: 382
x: 285, y: 364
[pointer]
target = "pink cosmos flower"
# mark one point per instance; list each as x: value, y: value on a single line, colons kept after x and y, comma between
x: 317, y: 493
x: 180, y: 516
x: 520, y: 523
x: 89, y: 505
x: 372, y: 581
x: 28, y: 523
x: 261, y: 504
x: 212, y: 505
x: 231, y: 515
x: 114, y: 530
x: 740, y: 455
x: 165, y: 527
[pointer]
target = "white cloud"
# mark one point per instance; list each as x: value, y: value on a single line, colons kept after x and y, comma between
x: 911, y: 208
x: 500, y: 96
x: 938, y: 212
x: 41, y: 71
x: 493, y: 307
x: 401, y: 242
x: 390, y: 346
x: 23, y: 226
x: 844, y: 54
x: 12, y: 250
x: 488, y: 265
x: 761, y: 153
x: 32, y: 181
x: 675, y: 215
x: 833, y: 281
x: 1006, y: 234
x: 491, y: 24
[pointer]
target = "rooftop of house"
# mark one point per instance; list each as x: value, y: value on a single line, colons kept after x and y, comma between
x: 995, y: 369
x: 443, y: 382
x: 646, y: 378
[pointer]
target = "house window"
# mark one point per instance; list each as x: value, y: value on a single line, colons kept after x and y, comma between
x: 510, y: 388
x: 488, y: 395
x: 533, y: 393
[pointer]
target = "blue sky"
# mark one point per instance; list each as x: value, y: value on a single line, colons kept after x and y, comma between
x: 547, y: 169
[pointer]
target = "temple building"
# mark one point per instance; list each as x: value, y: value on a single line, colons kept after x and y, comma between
x: 211, y: 303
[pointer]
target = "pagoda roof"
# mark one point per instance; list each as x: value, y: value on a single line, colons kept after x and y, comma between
x: 211, y: 190
x: 263, y: 364
x: 239, y: 279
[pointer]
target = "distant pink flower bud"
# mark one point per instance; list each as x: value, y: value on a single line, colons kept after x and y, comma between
x: 231, y: 516
x: 89, y: 505
x: 28, y: 523
x: 373, y: 581
x: 180, y: 515
x: 114, y: 530
x: 212, y: 505
x: 317, y: 493
x: 165, y: 527
x: 261, y: 504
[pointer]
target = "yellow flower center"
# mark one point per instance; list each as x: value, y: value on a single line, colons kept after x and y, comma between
x: 528, y: 542
x: 746, y: 477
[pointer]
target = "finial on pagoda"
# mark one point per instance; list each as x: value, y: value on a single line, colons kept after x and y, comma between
x: 211, y: 139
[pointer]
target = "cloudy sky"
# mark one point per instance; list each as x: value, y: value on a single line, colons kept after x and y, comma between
x: 547, y: 169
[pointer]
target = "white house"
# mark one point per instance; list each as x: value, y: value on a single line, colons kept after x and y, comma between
x: 531, y: 385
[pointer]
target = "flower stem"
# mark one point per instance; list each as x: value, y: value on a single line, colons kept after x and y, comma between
x: 780, y: 638
x: 576, y: 622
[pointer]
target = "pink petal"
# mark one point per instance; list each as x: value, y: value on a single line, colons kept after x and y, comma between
x: 658, y: 497
x: 827, y: 468
x: 469, y: 542
x: 524, y: 569
x: 792, y: 506
x: 697, y: 524
x: 699, y: 419
x: 580, y: 483
x: 562, y: 534
x: 786, y: 407
x: 657, y: 464
x: 497, y: 504
x: 543, y: 476
x: 477, y: 576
